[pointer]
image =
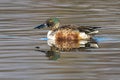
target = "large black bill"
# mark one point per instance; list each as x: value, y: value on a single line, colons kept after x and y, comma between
x: 41, y: 26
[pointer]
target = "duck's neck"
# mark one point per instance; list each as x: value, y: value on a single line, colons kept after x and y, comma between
x: 55, y: 26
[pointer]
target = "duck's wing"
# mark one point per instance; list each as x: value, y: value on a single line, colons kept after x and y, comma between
x: 88, y: 29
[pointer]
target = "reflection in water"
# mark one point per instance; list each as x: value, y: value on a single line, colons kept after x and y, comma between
x: 52, y: 54
x: 64, y: 45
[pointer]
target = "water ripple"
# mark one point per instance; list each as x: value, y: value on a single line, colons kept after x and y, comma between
x: 19, y: 59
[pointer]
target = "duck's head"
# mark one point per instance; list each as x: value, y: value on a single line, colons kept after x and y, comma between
x: 51, y: 23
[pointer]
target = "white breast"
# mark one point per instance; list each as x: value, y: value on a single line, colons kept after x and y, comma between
x: 50, y: 35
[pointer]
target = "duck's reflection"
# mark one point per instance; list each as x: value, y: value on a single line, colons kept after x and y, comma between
x: 57, y: 46
x: 52, y: 54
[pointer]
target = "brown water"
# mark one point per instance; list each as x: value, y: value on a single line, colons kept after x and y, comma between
x: 20, y: 61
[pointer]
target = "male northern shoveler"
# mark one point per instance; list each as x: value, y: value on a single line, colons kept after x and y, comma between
x: 67, y: 32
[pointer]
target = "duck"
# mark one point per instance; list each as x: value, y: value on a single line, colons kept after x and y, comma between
x: 68, y: 32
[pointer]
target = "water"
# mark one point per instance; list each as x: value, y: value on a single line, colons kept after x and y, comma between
x: 18, y: 40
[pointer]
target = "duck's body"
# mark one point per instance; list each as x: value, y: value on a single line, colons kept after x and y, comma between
x: 68, y: 32
x: 68, y: 37
x: 72, y: 32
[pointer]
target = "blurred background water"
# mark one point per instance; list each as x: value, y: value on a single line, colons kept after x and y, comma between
x: 18, y: 39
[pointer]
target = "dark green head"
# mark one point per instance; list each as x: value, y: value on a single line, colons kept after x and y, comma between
x: 51, y: 23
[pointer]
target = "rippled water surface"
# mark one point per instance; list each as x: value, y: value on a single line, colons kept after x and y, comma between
x: 20, y: 61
